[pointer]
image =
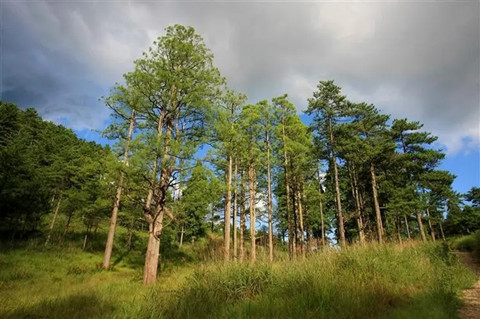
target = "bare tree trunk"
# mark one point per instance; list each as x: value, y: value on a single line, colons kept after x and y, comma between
x: 242, y: 218
x: 300, y: 215
x: 181, y: 236
x: 358, y: 209
x: 291, y: 237
x: 322, y: 221
x: 234, y: 215
x: 295, y: 219
x: 398, y: 225
x: 432, y: 231
x: 269, y: 204
x: 420, y: 226
x: 85, y: 239
x: 378, y: 214
x: 441, y: 231
x: 68, y: 223
x: 228, y: 207
x: 407, y: 227
x: 52, y: 224
x: 251, y: 179
x: 341, y: 227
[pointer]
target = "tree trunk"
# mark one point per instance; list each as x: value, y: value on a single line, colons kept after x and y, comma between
x: 420, y: 226
x: 228, y: 207
x: 407, y: 227
x: 358, y: 209
x: 378, y: 214
x: 52, y: 224
x: 441, y: 231
x: 234, y: 214
x: 152, y: 254
x: 291, y: 237
x: 116, y: 204
x: 295, y: 220
x: 156, y: 220
x: 269, y: 204
x: 85, y: 239
x: 181, y: 236
x: 341, y: 228
x: 242, y: 218
x: 432, y: 231
x: 251, y: 179
x: 68, y: 223
x: 398, y: 225
x: 148, y: 202
x: 300, y: 215
x: 322, y: 221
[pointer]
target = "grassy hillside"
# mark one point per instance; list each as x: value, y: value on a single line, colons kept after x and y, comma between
x: 414, y: 281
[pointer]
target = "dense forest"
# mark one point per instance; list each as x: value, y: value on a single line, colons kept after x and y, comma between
x: 193, y: 164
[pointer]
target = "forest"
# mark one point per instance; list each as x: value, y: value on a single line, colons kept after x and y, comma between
x: 212, y: 206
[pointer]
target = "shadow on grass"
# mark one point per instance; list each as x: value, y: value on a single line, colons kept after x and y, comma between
x: 130, y: 257
x: 76, y: 306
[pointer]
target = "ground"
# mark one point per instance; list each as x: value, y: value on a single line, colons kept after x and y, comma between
x: 470, y: 297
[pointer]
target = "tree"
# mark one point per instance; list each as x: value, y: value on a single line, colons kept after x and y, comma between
x: 202, y: 190
x: 227, y: 135
x: 177, y: 78
x: 328, y: 108
x: 250, y: 126
x: 124, y: 105
x: 373, y: 142
x: 473, y: 196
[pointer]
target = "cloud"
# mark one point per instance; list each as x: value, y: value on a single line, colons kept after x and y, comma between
x: 414, y: 60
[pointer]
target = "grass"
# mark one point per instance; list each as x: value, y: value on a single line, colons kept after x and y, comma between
x: 470, y: 243
x: 414, y: 281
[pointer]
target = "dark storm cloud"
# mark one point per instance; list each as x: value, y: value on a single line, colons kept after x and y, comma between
x: 415, y: 60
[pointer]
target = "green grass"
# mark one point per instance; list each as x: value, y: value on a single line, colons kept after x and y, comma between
x: 415, y: 281
x: 470, y: 243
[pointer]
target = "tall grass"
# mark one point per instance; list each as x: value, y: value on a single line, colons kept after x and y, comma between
x: 419, y: 281
x: 415, y: 281
x: 470, y: 243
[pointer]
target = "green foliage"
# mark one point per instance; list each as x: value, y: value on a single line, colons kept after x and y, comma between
x: 41, y: 161
x: 202, y: 191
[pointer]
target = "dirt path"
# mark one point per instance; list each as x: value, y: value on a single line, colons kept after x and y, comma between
x: 470, y: 297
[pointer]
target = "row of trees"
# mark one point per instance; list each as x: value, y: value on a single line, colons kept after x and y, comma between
x: 381, y: 175
x: 353, y: 174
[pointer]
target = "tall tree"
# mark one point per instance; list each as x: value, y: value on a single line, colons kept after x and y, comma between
x: 328, y: 108
x: 177, y: 77
x: 251, y: 142
x: 124, y: 104
x: 285, y: 110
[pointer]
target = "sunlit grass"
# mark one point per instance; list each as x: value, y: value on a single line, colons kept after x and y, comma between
x: 415, y: 281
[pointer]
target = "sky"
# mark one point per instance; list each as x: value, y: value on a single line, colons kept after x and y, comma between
x: 414, y: 59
